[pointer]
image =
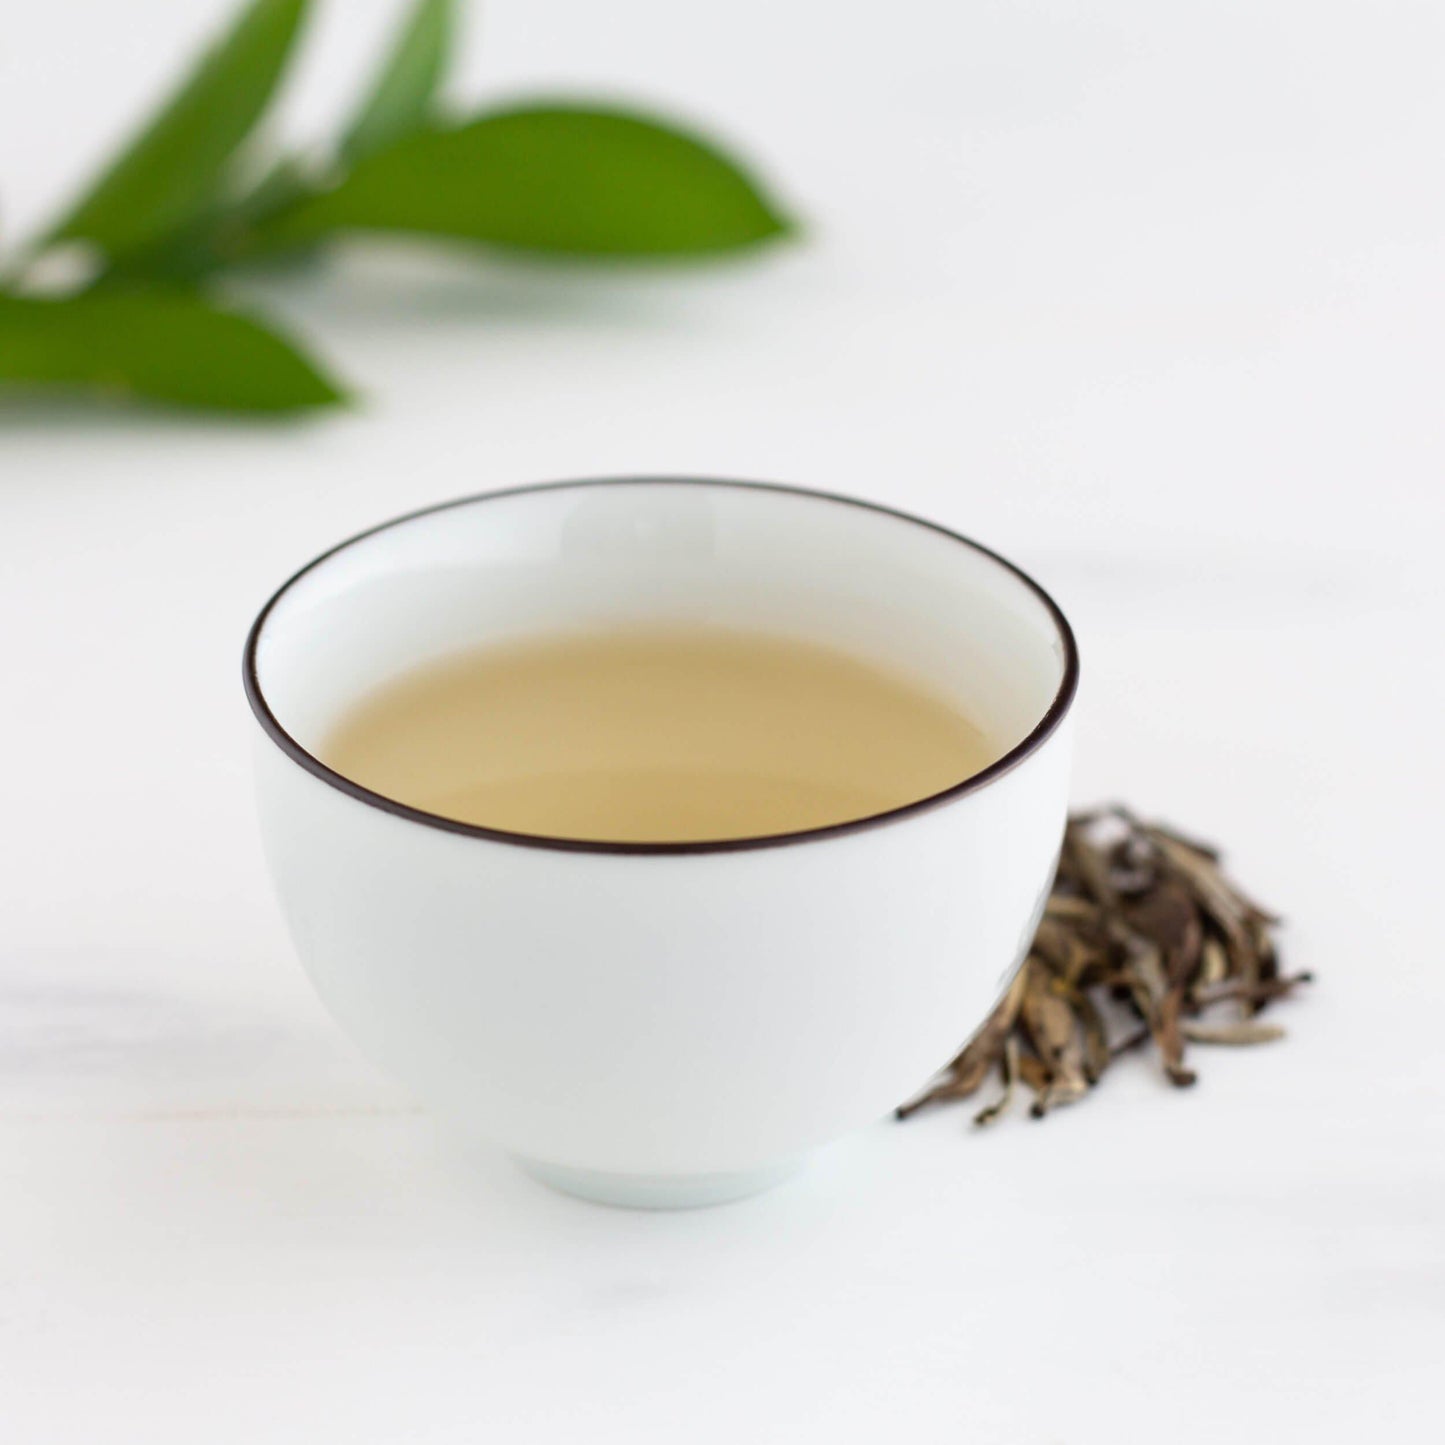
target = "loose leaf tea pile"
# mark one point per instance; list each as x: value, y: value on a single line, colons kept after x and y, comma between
x: 1143, y: 940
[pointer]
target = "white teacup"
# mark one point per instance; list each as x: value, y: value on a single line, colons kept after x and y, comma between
x: 673, y: 1023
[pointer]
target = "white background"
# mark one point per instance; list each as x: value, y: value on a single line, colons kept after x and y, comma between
x: 1147, y: 295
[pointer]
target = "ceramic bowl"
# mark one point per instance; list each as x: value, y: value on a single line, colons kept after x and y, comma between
x: 663, y: 1024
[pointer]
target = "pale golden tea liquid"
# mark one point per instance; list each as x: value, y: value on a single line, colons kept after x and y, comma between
x: 677, y: 735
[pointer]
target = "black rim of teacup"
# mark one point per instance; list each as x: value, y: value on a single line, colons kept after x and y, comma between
x: 1037, y: 736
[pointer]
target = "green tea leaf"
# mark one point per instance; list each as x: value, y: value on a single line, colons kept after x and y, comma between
x: 562, y: 179
x: 400, y: 98
x: 173, y: 169
x: 167, y: 346
x: 215, y: 239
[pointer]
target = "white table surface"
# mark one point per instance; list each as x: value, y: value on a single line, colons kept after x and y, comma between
x: 1148, y: 296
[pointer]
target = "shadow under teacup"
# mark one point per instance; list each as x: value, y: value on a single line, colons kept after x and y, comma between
x: 663, y: 1023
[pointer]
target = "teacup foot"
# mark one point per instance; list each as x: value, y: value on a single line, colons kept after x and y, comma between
x: 656, y: 1191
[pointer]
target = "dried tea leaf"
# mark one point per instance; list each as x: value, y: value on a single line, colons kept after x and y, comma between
x: 1096, y: 1041
x: 1240, y: 1033
x: 1140, y: 917
x: 1170, y: 1038
x: 1033, y: 1072
x: 1214, y: 964
x: 1260, y: 993
x: 1064, y: 1088
x: 1085, y: 864
x: 1010, y: 1070
x: 1168, y: 917
x: 1071, y: 908
x: 1068, y: 1080
x: 1055, y: 1032
x: 1156, y: 831
x: 1229, y: 912
x: 1176, y: 846
x: 1259, y: 935
x: 1047, y: 1017
x: 946, y: 1090
x: 1053, y: 943
x: 1143, y: 973
x: 968, y: 1071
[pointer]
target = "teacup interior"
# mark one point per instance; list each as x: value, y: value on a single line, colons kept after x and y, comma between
x: 892, y: 591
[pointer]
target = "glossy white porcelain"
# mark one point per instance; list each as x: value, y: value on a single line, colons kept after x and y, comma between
x: 662, y: 1024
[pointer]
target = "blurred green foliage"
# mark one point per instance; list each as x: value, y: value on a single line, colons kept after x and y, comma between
x: 185, y: 203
